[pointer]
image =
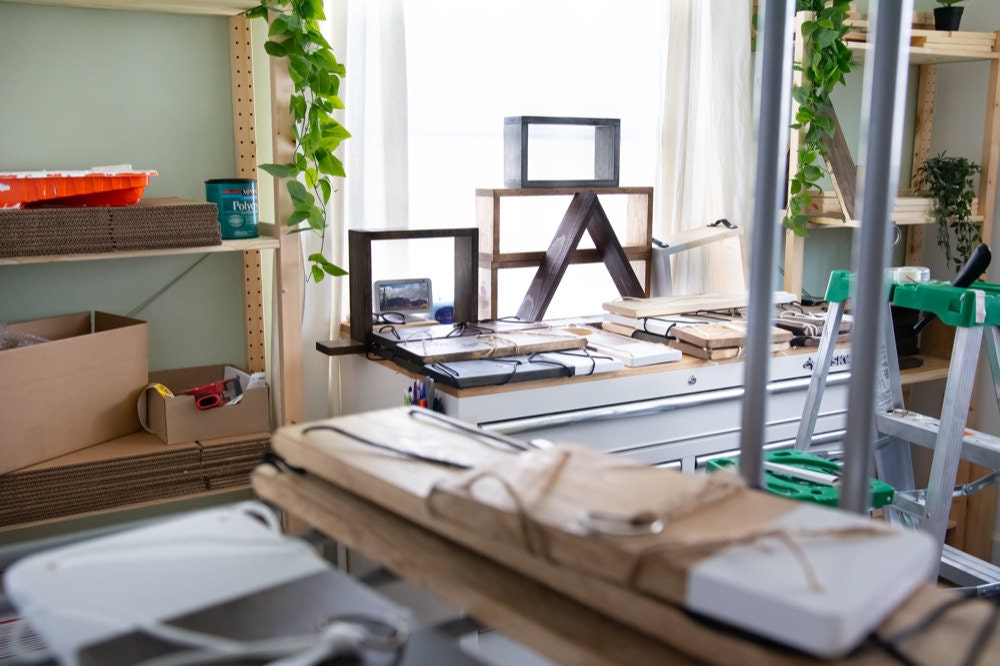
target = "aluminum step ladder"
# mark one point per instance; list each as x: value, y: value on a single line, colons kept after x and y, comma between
x: 975, y: 312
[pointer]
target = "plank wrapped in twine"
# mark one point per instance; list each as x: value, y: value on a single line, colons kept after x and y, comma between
x: 801, y: 574
x: 546, y: 501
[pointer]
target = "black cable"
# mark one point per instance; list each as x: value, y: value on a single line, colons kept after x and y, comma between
x: 891, y: 644
x: 513, y: 362
x: 982, y: 638
x: 385, y: 447
x: 274, y: 460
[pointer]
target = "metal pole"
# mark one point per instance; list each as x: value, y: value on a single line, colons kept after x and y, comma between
x: 772, y: 106
x: 882, y: 133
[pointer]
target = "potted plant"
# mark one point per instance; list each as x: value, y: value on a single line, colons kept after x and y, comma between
x: 947, y: 16
x: 949, y: 182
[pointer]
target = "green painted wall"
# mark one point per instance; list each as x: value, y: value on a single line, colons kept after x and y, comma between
x: 84, y: 87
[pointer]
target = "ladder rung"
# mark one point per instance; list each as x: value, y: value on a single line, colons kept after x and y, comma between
x: 967, y: 570
x: 977, y: 447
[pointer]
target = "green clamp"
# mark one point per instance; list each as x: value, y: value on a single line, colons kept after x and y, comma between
x: 798, y: 489
x: 975, y: 305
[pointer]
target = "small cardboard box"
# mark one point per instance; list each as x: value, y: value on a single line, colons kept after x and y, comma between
x: 177, y: 419
x: 77, y: 389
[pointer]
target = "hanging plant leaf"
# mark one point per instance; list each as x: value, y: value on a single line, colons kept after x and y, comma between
x: 294, y: 34
x: 825, y: 62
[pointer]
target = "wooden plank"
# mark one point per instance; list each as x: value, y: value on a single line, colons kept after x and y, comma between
x: 979, y: 519
x: 692, y: 238
x: 217, y: 7
x: 464, y: 271
x: 488, y: 223
x: 714, y: 336
x: 534, y: 259
x: 552, y: 624
x: 955, y: 534
x: 721, y: 353
x: 550, y: 272
x: 991, y: 149
x: 671, y: 305
x: 245, y: 142
x: 402, y: 487
x: 289, y: 272
x: 614, y: 258
x: 928, y: 56
x: 795, y: 247
x: 923, y: 123
x: 551, y: 191
x: 469, y: 347
x: 843, y: 170
x: 584, y: 213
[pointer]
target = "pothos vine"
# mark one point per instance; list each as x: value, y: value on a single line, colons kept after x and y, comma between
x: 294, y: 34
x: 826, y: 60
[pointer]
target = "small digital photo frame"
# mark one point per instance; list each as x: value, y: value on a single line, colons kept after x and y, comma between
x: 410, y: 296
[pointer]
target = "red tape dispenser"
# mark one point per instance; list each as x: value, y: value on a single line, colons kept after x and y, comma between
x: 217, y: 393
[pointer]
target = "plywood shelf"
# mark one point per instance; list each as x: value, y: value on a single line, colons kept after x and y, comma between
x: 211, y: 7
x: 934, y: 368
x: 928, y: 49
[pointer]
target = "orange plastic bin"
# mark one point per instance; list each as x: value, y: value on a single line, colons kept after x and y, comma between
x: 28, y: 189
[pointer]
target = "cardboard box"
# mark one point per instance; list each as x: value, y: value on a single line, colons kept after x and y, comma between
x: 75, y: 390
x: 177, y: 419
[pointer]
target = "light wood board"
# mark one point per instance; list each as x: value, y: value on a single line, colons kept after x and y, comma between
x: 396, y: 534
x: 467, y: 348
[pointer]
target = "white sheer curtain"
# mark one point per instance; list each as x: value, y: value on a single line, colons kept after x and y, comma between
x: 476, y: 62
x: 368, y: 37
x: 707, y: 138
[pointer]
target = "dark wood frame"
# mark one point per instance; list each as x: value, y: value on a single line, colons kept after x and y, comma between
x: 607, y: 151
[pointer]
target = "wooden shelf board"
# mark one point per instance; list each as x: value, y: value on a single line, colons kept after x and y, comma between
x: 922, y: 55
x: 549, y: 191
x: 535, y: 259
x: 212, y: 7
x: 822, y: 222
x: 933, y: 368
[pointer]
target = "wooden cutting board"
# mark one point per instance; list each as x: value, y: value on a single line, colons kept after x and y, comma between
x: 469, y: 347
x: 721, y: 353
x: 636, y: 308
x: 714, y: 336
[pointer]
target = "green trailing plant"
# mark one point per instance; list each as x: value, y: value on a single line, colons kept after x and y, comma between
x: 294, y: 34
x: 826, y: 60
x: 949, y: 180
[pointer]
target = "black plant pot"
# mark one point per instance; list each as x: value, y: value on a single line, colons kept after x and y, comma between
x: 947, y: 18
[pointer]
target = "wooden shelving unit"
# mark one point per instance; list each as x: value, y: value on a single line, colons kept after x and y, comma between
x: 272, y: 237
x: 287, y: 374
x: 928, y: 50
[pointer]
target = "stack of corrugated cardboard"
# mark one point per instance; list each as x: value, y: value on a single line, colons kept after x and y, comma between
x: 128, y: 470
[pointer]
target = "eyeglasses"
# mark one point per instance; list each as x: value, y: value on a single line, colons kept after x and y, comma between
x: 389, y: 318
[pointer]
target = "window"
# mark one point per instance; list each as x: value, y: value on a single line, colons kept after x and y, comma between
x: 470, y: 63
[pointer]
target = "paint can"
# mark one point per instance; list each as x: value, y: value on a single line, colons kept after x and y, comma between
x: 236, y: 199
